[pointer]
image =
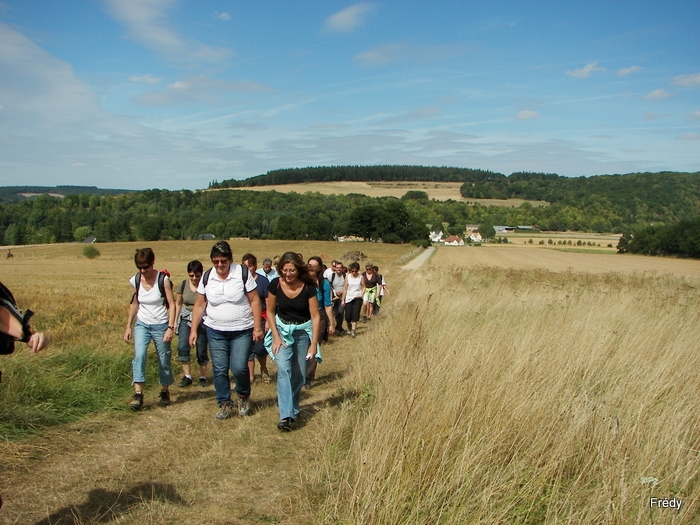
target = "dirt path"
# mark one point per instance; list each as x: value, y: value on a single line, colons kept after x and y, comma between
x: 420, y: 260
x: 172, y: 465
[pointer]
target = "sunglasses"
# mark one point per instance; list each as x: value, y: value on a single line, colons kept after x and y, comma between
x: 144, y: 267
x: 217, y: 262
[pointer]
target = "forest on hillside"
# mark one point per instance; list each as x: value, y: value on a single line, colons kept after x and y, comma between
x: 625, y: 204
x: 18, y: 193
x: 361, y: 174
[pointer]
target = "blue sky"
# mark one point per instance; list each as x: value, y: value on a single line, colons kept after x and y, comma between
x: 173, y: 94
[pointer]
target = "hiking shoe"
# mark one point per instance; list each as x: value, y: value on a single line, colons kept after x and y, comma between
x: 224, y: 411
x: 137, y: 402
x: 186, y: 381
x: 308, y: 384
x: 243, y: 406
x: 352, y: 333
x: 203, y: 382
x: 164, y: 398
x: 286, y: 425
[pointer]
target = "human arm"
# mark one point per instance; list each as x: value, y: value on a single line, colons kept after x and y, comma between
x: 11, y: 326
x: 197, y: 314
x: 133, y: 309
x: 170, y: 331
x: 345, y: 291
x: 315, y: 326
x: 254, y: 300
x: 277, y: 342
x: 328, y: 305
x: 179, y: 301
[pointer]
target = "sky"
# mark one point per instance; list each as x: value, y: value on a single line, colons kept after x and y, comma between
x: 173, y: 94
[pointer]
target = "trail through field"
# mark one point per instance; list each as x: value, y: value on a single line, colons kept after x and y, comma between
x: 163, y: 465
x: 175, y: 464
x: 179, y: 465
x: 420, y: 260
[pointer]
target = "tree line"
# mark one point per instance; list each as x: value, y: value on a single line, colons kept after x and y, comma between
x: 360, y: 173
x: 161, y: 214
x: 681, y: 239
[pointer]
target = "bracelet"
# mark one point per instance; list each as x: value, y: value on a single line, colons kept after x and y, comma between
x: 171, y: 328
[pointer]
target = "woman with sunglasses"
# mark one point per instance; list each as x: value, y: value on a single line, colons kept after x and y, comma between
x: 227, y: 292
x: 352, y: 296
x: 294, y: 321
x: 155, y: 321
x: 185, y: 297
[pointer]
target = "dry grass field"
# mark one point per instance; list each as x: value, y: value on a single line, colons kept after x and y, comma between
x: 500, y: 384
x: 441, y: 191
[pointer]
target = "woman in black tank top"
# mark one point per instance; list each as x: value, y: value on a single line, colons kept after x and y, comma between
x: 295, y: 323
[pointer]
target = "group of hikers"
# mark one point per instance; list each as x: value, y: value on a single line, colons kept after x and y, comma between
x: 238, y: 314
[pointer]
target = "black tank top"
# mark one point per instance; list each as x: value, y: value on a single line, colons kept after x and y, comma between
x: 294, y: 310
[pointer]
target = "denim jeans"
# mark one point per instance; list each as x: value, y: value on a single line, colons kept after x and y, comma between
x: 291, y: 372
x: 144, y: 334
x: 229, y: 350
x: 183, y: 344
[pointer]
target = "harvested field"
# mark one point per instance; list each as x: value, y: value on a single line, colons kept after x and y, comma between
x: 441, y: 191
x: 529, y: 257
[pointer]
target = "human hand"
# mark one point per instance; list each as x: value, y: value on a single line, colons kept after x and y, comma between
x: 127, y: 335
x: 38, y: 341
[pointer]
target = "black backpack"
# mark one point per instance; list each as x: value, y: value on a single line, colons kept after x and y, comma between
x: 161, y: 288
x: 7, y: 301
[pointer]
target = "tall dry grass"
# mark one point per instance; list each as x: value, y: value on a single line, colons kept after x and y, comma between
x: 503, y: 396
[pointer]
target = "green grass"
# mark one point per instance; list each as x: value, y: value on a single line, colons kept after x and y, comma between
x: 42, y: 391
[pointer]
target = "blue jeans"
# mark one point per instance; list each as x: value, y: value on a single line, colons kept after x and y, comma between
x: 291, y: 373
x: 144, y: 334
x: 229, y: 350
x: 183, y: 343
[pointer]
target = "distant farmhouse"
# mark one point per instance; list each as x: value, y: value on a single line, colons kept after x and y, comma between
x: 454, y: 240
x: 436, y: 236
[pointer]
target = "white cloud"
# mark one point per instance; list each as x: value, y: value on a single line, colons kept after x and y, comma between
x: 526, y: 114
x: 628, y: 71
x: 690, y: 136
x: 200, y: 88
x: 658, y: 94
x: 650, y: 115
x: 695, y: 115
x: 147, y: 24
x: 348, y: 19
x: 585, y: 71
x: 404, y: 53
x: 145, y: 79
x: 687, y: 80
x: 422, y: 113
x: 223, y: 16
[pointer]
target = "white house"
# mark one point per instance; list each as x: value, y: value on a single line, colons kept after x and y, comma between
x: 475, y: 237
x: 454, y: 240
x: 436, y: 236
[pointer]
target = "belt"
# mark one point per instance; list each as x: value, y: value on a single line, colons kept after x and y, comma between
x: 292, y: 322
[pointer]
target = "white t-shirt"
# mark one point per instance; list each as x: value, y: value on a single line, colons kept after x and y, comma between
x: 354, y: 287
x: 228, y: 308
x: 152, y: 308
x: 327, y: 273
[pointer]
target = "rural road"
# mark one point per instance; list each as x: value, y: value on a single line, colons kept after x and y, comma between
x: 418, y: 261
